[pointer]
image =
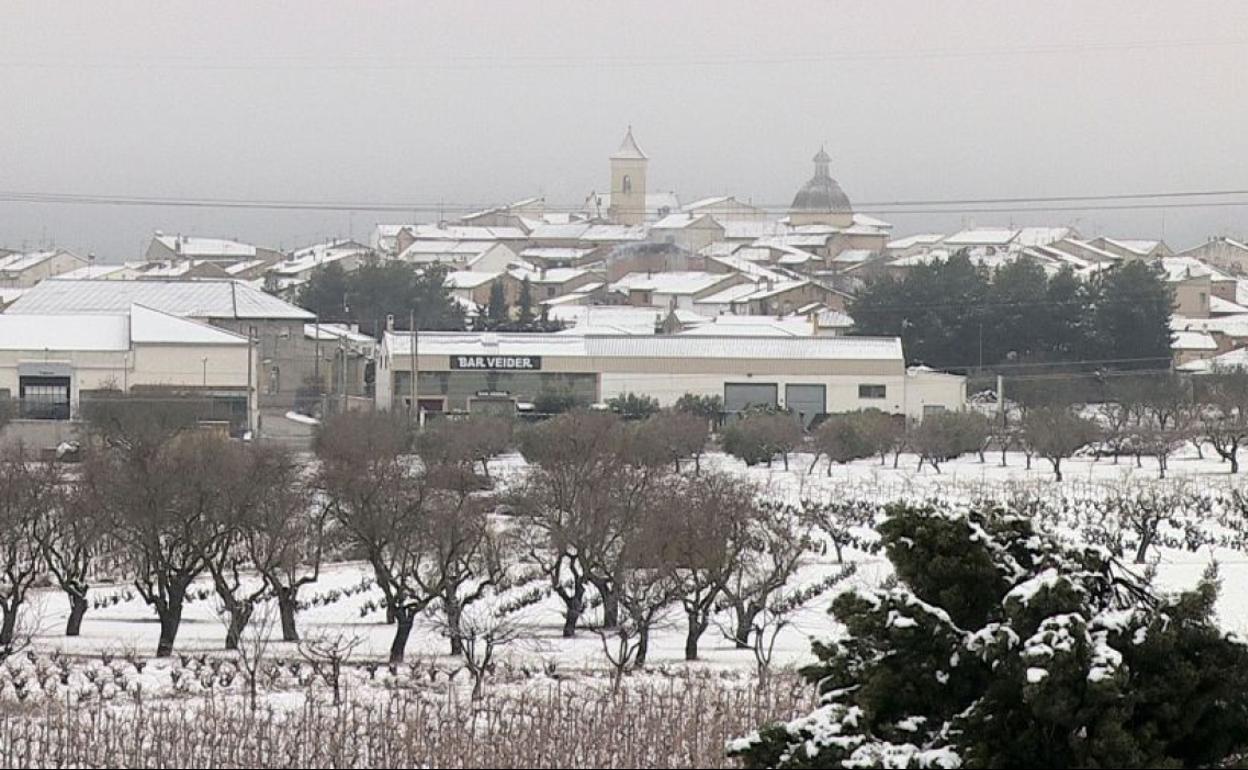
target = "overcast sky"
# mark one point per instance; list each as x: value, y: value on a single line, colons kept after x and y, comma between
x: 464, y: 102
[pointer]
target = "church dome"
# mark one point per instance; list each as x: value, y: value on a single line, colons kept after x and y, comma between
x: 822, y: 192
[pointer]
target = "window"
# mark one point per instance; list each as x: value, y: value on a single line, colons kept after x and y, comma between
x: 872, y: 391
x: 628, y: 183
x: 44, y: 398
x: 550, y: 291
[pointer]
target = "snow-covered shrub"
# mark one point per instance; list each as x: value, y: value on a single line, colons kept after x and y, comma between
x: 999, y: 646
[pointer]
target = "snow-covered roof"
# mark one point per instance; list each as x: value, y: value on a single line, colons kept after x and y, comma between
x: 1141, y: 247
x: 573, y: 231
x: 151, y: 326
x: 465, y: 233
x: 64, y: 332
x: 337, y: 332
x: 469, y: 279
x: 555, y: 253
x: 675, y: 346
x: 1193, y: 341
x: 555, y: 275
x: 194, y: 246
x: 19, y: 262
x: 1041, y: 236
x: 982, y: 236
x: 193, y: 299
x: 608, y: 233
x: 675, y: 282
x: 870, y: 221
x: 1184, y: 268
x: 854, y: 256
x: 920, y: 239
x: 1232, y: 359
x: 1230, y: 325
x: 87, y: 332
x: 589, y: 319
x: 1219, y: 306
x: 759, y: 326
x: 704, y: 202
x: 628, y: 149
x: 95, y: 271
x: 752, y: 268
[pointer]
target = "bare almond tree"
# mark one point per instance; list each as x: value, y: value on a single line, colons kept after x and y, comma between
x: 29, y: 494
x: 70, y: 542
x: 327, y: 653
x: 253, y: 648
x: 776, y: 542
x: 706, y: 532
x: 284, y: 535
x: 159, y: 502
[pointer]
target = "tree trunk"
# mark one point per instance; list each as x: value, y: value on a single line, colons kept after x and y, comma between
x: 286, y: 609
x: 696, y: 628
x: 643, y: 647
x: 1057, y: 469
x: 453, y: 612
x: 9, y: 627
x: 239, y: 617
x: 1234, y: 458
x: 573, y: 607
x: 170, y: 621
x: 77, y: 608
x: 403, y: 629
x: 745, y: 624
x: 610, y: 602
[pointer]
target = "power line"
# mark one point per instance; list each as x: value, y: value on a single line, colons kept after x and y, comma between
x: 1005, y: 205
x: 452, y: 61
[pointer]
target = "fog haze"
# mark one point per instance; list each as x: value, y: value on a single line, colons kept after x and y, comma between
x: 460, y: 103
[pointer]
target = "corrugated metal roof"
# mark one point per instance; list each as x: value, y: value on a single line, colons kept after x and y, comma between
x: 193, y: 299
x: 657, y: 346
x: 64, y: 332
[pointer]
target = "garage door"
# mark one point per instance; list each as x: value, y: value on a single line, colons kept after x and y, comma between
x: 806, y: 401
x: 740, y: 395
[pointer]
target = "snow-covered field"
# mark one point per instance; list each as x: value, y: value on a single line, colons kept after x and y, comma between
x: 130, y: 626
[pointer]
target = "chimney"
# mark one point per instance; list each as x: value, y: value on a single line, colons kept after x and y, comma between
x: 390, y: 322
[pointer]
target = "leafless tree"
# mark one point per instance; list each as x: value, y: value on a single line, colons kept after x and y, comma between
x: 159, y: 502
x: 1224, y: 419
x: 672, y: 437
x: 776, y: 541
x: 466, y: 442
x: 326, y: 653
x: 69, y: 543
x: 284, y: 535
x: 575, y: 506
x: 29, y: 494
x: 1057, y: 432
x: 380, y: 500
x: 253, y: 647
x: 704, y: 525
x: 483, y: 628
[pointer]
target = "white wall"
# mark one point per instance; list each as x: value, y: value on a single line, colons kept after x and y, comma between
x: 841, y: 390
x: 933, y: 389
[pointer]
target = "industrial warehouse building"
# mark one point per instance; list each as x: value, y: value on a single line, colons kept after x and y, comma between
x: 460, y: 371
x: 52, y: 363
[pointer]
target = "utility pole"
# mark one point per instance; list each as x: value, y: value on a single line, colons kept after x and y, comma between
x: 317, y: 365
x: 411, y: 328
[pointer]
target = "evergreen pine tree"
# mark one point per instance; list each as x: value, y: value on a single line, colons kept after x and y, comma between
x: 998, y: 646
x: 496, y: 311
x: 526, y: 302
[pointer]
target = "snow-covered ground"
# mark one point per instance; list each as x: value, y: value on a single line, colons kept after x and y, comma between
x: 130, y: 625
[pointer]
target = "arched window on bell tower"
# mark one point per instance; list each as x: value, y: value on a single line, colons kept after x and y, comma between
x: 628, y: 184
